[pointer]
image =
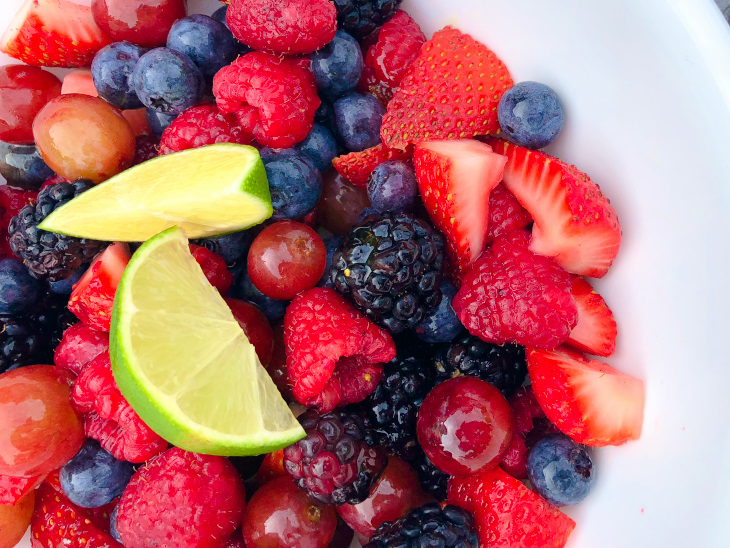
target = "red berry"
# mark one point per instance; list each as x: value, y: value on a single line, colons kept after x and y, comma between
x: 79, y: 81
x: 79, y: 345
x: 39, y: 430
x: 335, y: 355
x: 15, y: 519
x: 595, y: 332
x: 24, y: 91
x: 181, y: 499
x: 285, y: 259
x: 255, y: 326
x: 510, y: 294
x: 277, y: 368
x: 302, y: 26
x: 13, y: 488
x: 199, y: 126
x: 274, y: 98
x: 505, y: 213
x: 356, y: 167
x: 142, y: 22
x: 214, y: 267
x: 271, y: 468
x: 399, y: 42
x: 340, y: 203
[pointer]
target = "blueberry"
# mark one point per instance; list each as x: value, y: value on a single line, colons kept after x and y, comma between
x: 321, y: 147
x: 337, y: 66
x: 232, y: 247
x: 531, y: 114
x: 93, y: 477
x: 441, y: 325
x: 358, y: 117
x: 325, y: 116
x: 113, y: 525
x: 220, y: 15
x: 207, y: 42
x: 112, y: 70
x: 19, y: 291
x: 365, y: 213
x: 295, y: 183
x: 159, y: 121
x: 273, y: 309
x: 331, y: 244
x: 23, y: 166
x: 561, y: 470
x: 65, y: 287
x: 392, y: 186
x: 167, y: 81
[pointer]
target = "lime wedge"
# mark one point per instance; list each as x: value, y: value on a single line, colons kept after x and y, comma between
x: 207, y: 191
x: 182, y: 361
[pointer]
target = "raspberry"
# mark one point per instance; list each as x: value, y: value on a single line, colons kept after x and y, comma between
x: 199, y: 126
x: 181, y: 499
x: 79, y: 345
x: 273, y: 98
x: 399, y: 42
x: 505, y: 213
x: 334, y: 463
x: 214, y: 267
x: 12, y: 200
x: 510, y: 294
x: 334, y: 353
x: 109, y: 418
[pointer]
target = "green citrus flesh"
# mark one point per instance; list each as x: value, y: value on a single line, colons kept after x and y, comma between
x: 207, y: 191
x: 183, y: 362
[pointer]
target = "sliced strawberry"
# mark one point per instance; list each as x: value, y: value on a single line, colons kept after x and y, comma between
x: 595, y: 331
x: 450, y: 91
x: 92, y: 298
x: 79, y: 81
x: 587, y: 400
x: 455, y: 179
x: 574, y: 222
x: 53, y: 33
x: 508, y: 514
x: 356, y: 167
x: 13, y: 489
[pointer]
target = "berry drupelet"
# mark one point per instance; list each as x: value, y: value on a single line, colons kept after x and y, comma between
x: 432, y: 480
x: 390, y: 267
x: 362, y: 17
x: 335, y: 462
x: 46, y: 254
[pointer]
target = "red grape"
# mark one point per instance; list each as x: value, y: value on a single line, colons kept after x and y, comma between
x: 285, y: 259
x: 340, y: 203
x: 142, y: 22
x: 15, y: 519
x: 465, y: 426
x: 255, y: 326
x: 23, y: 92
x: 277, y: 367
x: 39, y: 430
x: 282, y: 515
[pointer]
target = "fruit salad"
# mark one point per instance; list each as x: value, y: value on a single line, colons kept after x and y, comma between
x: 293, y: 274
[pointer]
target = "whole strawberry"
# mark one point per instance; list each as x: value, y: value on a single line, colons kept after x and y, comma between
x: 181, y: 500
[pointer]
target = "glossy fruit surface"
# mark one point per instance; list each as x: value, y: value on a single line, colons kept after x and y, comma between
x: 14, y: 520
x: 39, y: 431
x: 84, y: 137
x: 340, y: 204
x: 142, y: 22
x: 255, y: 326
x: 23, y: 92
x: 465, y: 426
x: 277, y: 368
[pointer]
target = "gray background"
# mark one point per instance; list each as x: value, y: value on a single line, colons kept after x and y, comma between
x: 724, y: 5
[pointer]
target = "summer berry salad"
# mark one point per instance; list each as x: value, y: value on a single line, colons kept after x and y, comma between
x: 295, y: 274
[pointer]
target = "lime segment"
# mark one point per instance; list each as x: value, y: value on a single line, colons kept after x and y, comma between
x: 207, y: 191
x: 185, y: 365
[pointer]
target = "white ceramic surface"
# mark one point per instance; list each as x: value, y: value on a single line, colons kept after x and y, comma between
x: 646, y: 87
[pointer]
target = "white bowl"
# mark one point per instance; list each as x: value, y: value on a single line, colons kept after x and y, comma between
x: 646, y: 87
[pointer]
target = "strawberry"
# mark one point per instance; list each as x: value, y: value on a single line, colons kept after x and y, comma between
x: 574, y: 222
x: 455, y: 179
x: 13, y: 489
x: 79, y: 81
x: 356, y: 167
x: 53, y: 33
x: 587, y: 400
x: 595, y: 331
x: 452, y: 98
x: 507, y: 514
x: 272, y: 467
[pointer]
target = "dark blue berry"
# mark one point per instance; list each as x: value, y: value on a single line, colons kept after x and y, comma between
x: 358, y: 117
x: 93, y: 477
x: 159, y: 121
x: 531, y: 114
x: 232, y: 247
x: 23, y: 166
x: 337, y: 66
x: 220, y: 15
x: 208, y: 43
x: 113, y: 525
x: 331, y: 244
x: 273, y: 309
x: 441, y: 325
x: 112, y: 70
x: 167, y: 81
x: 392, y: 186
x: 560, y: 470
x: 294, y: 182
x: 325, y: 116
x: 321, y: 147
x: 19, y: 291
x: 365, y: 213
x: 65, y: 287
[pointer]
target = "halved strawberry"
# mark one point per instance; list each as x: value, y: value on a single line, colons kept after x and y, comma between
x: 507, y: 514
x: 53, y: 33
x: 79, y: 81
x: 574, y: 222
x: 595, y: 331
x: 356, y: 167
x: 92, y: 298
x: 13, y: 489
x: 587, y: 400
x: 455, y: 179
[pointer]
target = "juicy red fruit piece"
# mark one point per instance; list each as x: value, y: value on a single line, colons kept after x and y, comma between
x: 199, y: 126
x: 142, y: 22
x: 505, y: 213
x: 12, y: 488
x: 255, y: 326
x: 23, y: 92
x: 79, y: 345
x: 214, y: 267
x: 356, y: 167
x: 596, y: 330
x: 92, y: 298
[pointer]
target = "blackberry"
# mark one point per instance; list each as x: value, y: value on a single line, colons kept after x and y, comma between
x: 429, y: 525
x: 390, y: 267
x: 335, y: 463
x: 433, y: 480
x: 502, y: 365
x: 362, y: 17
x: 47, y: 254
